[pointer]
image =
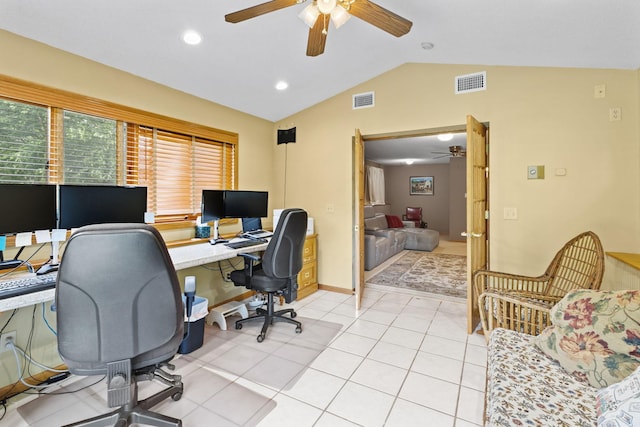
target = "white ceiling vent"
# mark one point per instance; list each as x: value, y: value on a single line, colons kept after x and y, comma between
x: 471, y: 82
x: 363, y: 100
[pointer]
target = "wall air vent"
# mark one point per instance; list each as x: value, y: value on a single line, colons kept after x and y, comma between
x: 471, y: 82
x: 363, y: 100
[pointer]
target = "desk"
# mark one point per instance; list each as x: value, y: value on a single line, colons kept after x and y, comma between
x: 182, y: 257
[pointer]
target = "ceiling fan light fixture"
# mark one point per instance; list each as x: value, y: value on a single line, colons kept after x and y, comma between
x: 309, y: 15
x: 326, y: 6
x: 339, y: 16
x: 445, y: 137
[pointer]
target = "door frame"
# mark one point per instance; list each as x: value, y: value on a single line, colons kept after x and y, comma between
x: 358, y: 256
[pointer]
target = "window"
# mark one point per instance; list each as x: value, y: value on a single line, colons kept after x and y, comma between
x: 51, y: 136
x: 23, y: 142
x: 176, y: 168
x: 89, y: 150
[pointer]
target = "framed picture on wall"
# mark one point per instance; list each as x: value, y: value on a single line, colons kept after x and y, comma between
x: 421, y: 186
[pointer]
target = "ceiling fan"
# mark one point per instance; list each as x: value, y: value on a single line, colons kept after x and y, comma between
x: 454, y: 151
x: 318, y: 13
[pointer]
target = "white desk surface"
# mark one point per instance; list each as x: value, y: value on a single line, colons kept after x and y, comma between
x: 205, y: 253
x: 182, y: 257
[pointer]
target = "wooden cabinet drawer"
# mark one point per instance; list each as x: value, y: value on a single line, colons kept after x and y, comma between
x: 307, y: 275
x: 309, y: 250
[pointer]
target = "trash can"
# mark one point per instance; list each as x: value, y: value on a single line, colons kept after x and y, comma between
x: 194, y: 325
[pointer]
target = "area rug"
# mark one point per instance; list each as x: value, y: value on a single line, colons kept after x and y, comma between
x: 441, y: 274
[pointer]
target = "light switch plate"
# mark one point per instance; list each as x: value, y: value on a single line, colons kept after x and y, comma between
x: 535, y: 172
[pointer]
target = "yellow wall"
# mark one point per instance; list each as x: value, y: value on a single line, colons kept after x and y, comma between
x: 537, y: 116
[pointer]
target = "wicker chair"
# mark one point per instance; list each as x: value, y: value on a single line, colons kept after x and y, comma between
x: 522, y: 303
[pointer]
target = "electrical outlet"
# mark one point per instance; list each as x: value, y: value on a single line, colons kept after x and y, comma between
x: 614, y: 114
x: 6, y: 337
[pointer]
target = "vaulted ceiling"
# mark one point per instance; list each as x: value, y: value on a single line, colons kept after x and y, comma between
x: 238, y: 65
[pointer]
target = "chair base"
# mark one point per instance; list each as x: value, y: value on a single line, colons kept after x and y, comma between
x: 138, y: 412
x: 270, y: 316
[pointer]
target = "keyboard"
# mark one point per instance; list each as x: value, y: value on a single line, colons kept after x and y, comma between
x: 26, y: 285
x: 244, y: 244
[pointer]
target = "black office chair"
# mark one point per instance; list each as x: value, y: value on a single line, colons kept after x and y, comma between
x: 120, y: 314
x: 277, y: 271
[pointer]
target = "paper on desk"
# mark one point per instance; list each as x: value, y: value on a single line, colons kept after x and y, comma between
x: 3, y: 243
x: 43, y: 236
x: 23, y: 239
x: 59, y: 235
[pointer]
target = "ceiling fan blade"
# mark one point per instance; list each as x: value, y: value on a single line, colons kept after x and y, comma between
x: 261, y: 9
x: 440, y: 157
x: 317, y: 38
x: 380, y: 17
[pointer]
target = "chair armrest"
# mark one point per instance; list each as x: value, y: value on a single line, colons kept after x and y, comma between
x: 484, y: 280
x: 249, y: 259
x: 252, y: 256
x: 519, y: 312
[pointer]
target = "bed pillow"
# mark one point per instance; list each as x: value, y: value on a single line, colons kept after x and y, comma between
x: 595, y: 335
x: 394, y: 222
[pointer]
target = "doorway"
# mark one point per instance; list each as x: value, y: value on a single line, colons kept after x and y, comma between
x: 400, y: 144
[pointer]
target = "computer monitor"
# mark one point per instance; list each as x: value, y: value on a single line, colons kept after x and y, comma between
x: 82, y: 205
x: 218, y: 204
x: 27, y: 207
x: 246, y: 204
x: 251, y: 224
x: 212, y: 205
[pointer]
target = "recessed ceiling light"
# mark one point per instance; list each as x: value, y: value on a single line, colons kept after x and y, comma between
x: 191, y: 37
x: 427, y: 45
x: 282, y: 85
x: 409, y: 161
x: 445, y: 136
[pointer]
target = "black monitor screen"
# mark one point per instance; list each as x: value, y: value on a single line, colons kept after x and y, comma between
x: 251, y: 224
x: 27, y: 207
x: 218, y: 204
x: 246, y: 204
x: 212, y: 205
x: 82, y: 205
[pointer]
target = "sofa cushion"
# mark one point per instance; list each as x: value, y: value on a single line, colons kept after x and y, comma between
x: 376, y: 222
x: 595, y: 335
x: 394, y: 221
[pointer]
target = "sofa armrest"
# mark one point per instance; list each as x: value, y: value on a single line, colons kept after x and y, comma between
x: 409, y: 224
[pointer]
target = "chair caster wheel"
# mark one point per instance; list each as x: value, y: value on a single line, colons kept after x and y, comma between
x: 260, y: 338
x: 298, y: 330
x: 238, y: 325
x: 293, y: 314
x: 176, y: 396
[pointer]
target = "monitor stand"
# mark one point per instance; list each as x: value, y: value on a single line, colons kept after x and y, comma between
x: 216, y: 236
x: 52, y: 264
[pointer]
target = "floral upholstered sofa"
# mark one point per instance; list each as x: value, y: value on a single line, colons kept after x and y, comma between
x: 567, y: 375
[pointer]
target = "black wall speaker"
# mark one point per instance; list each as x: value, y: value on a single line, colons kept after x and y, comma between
x: 286, y: 136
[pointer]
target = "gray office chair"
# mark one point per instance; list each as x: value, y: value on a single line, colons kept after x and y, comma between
x: 278, y: 270
x: 120, y: 314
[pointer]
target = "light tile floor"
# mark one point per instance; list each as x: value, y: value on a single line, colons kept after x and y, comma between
x: 403, y: 360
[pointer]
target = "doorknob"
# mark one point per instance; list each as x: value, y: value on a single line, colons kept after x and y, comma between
x: 465, y: 234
